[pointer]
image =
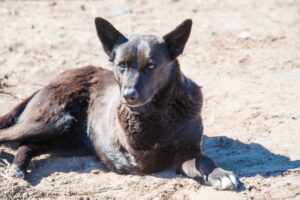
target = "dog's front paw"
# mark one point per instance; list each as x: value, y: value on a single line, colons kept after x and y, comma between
x: 221, y: 179
x: 12, y: 171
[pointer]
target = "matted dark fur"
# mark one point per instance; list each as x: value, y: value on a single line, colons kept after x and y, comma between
x: 141, y: 118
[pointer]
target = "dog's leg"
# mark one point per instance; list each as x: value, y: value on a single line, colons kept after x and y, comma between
x: 24, y: 131
x: 56, y: 146
x: 36, y: 131
x: 203, y: 167
x: 21, y: 161
x: 11, y: 118
x: 18, y: 132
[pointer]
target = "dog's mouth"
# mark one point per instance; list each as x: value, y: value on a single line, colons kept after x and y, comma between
x: 137, y: 104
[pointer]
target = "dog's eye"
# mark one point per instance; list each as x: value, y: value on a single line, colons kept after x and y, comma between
x: 150, y: 66
x: 123, y: 65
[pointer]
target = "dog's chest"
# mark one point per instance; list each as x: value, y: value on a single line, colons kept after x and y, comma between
x: 149, y: 140
x: 126, y: 141
x: 145, y: 132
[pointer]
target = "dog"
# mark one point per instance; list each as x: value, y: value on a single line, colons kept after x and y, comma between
x: 139, y: 118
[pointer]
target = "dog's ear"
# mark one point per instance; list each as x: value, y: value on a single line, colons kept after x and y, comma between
x: 177, y: 38
x: 108, y: 35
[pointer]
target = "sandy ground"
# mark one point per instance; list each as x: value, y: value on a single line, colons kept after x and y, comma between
x: 245, y: 55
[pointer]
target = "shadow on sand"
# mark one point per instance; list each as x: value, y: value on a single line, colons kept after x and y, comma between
x: 246, y: 160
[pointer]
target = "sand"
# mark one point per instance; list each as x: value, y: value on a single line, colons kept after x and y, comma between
x: 244, y: 54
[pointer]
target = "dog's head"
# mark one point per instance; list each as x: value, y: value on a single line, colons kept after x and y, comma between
x: 143, y: 64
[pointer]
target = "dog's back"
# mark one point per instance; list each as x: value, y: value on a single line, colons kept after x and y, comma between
x: 60, y: 107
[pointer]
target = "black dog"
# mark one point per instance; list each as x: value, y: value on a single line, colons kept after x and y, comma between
x: 141, y: 118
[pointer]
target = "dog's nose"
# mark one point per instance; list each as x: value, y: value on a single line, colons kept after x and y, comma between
x: 130, y: 95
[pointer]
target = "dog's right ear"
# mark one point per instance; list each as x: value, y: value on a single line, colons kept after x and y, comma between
x: 108, y: 35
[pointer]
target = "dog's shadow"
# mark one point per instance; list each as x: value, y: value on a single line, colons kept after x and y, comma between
x: 245, y: 160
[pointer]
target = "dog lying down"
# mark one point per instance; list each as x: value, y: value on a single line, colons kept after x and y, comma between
x: 140, y: 118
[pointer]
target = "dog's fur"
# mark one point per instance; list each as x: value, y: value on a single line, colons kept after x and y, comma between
x: 141, y: 118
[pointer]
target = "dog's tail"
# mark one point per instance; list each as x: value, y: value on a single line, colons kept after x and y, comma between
x: 11, y: 118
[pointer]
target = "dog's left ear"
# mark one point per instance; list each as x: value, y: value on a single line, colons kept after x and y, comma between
x: 108, y: 35
x: 177, y: 38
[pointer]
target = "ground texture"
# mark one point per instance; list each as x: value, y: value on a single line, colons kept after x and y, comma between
x: 244, y: 54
